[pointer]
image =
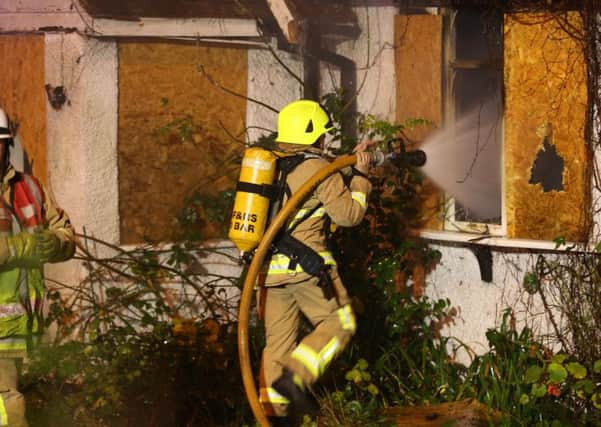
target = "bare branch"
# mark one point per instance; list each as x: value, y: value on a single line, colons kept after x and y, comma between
x: 215, y: 83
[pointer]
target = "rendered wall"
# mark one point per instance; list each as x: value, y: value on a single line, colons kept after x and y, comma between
x: 271, y: 84
x: 82, y: 141
x: 373, y: 54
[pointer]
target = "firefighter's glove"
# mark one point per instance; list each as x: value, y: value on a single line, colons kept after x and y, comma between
x: 363, y: 161
x: 21, y: 250
x: 48, y: 246
x: 363, y: 157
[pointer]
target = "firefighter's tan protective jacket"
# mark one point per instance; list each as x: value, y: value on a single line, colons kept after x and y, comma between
x: 345, y: 205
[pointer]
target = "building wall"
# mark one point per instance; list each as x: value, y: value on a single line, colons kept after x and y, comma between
x: 83, y: 161
x: 82, y: 139
x: 269, y: 83
x: 373, y: 53
x: 542, y: 85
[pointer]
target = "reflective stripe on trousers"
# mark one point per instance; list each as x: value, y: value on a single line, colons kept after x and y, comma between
x: 315, y: 362
x: 17, y: 343
x: 270, y: 395
x: 3, y: 413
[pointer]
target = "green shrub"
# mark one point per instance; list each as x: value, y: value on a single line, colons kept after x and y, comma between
x: 148, y: 334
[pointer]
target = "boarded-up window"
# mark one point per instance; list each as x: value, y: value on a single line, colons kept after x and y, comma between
x: 175, y: 131
x: 546, y: 182
x: 23, y: 97
x: 545, y: 172
x: 418, y: 65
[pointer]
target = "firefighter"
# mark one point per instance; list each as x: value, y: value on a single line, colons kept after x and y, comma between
x: 33, y: 231
x: 289, y: 367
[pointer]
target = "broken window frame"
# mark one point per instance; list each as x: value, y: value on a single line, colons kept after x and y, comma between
x: 451, y: 64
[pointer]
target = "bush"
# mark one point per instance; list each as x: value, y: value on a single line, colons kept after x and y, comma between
x: 144, y: 336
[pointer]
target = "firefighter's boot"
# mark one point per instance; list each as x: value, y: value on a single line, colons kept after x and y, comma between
x: 279, y: 421
x: 301, y: 402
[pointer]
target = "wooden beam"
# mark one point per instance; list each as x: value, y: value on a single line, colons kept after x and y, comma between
x: 34, y: 22
x: 285, y: 18
x: 167, y: 27
x: 144, y: 27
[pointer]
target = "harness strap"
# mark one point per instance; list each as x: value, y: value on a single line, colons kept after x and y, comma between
x: 265, y: 190
x: 299, y: 254
x: 286, y: 165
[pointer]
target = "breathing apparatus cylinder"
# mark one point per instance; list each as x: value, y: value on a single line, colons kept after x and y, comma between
x: 251, y: 204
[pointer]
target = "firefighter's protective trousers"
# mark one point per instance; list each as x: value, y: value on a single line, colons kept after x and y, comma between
x: 12, y: 403
x: 289, y: 292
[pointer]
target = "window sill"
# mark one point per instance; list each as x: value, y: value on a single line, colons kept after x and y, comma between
x: 499, y: 241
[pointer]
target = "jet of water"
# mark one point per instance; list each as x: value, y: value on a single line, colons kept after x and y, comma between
x: 464, y: 160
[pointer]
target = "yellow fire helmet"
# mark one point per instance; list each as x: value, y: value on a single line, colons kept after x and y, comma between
x: 302, y: 122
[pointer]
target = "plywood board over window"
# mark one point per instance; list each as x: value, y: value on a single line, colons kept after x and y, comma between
x: 546, y: 171
x: 23, y: 97
x: 418, y: 56
x: 175, y: 131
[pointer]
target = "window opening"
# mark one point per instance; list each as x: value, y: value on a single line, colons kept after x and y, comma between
x: 473, y: 87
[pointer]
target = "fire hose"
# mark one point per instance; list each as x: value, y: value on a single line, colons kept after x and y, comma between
x: 259, y: 257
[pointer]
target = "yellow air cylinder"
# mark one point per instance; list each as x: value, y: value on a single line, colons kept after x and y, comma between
x: 251, y: 205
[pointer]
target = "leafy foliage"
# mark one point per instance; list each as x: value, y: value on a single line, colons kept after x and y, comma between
x: 120, y: 377
x: 150, y: 333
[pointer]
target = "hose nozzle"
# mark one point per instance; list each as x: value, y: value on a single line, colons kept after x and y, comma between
x: 416, y: 158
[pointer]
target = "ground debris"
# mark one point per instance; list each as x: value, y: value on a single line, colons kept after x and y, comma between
x: 464, y: 413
